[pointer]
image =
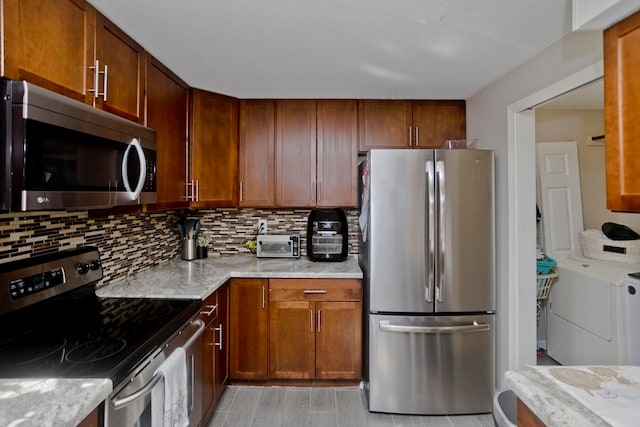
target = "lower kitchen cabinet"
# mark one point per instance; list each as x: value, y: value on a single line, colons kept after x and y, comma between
x: 249, y: 314
x: 215, y: 314
x: 91, y: 420
x: 339, y: 340
x: 291, y: 340
x: 315, y: 329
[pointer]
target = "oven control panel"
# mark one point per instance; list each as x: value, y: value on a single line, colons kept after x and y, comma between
x: 20, y: 288
x: 26, y: 282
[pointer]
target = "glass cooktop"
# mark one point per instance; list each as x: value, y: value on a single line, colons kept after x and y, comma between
x: 82, y: 335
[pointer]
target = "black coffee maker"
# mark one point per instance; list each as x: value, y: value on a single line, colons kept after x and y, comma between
x: 327, y: 235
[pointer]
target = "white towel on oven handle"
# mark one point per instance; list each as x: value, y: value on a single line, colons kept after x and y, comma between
x: 169, y: 403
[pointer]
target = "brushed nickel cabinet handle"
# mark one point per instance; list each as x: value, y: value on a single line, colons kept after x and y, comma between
x: 314, y: 291
x: 211, y: 308
x: 311, y: 319
x: 105, y: 82
x: 219, y: 329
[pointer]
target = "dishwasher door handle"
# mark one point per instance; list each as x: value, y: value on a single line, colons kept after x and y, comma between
x: 122, y: 402
x: 385, y: 325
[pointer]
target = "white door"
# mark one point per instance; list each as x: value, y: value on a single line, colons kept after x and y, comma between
x: 560, y: 198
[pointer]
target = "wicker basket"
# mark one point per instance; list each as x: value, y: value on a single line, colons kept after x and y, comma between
x: 609, y: 250
x: 544, y: 283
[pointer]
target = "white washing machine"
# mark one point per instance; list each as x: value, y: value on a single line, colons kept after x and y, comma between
x: 632, y: 306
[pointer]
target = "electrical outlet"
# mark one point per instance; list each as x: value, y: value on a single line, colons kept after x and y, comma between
x: 262, y: 226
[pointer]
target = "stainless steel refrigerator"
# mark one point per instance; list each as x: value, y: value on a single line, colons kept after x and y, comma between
x: 427, y: 253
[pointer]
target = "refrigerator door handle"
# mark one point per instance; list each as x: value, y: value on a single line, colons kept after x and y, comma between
x: 386, y: 326
x: 440, y: 179
x: 430, y: 229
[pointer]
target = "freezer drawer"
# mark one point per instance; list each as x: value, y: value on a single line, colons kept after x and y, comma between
x: 431, y: 365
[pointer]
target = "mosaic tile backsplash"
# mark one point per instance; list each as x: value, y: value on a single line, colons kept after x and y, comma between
x: 132, y: 242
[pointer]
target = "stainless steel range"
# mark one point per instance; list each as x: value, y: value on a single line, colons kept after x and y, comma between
x: 52, y: 325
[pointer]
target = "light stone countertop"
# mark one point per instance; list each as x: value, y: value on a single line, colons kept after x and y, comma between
x: 198, y: 279
x: 558, y: 404
x: 50, y: 402
x: 66, y: 402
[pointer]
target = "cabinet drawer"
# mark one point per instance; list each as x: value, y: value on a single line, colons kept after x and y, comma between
x: 315, y: 290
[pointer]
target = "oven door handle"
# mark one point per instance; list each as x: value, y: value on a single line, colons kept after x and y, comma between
x: 119, y: 403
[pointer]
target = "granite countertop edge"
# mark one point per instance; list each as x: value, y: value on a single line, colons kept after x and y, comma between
x: 550, y: 403
x: 198, y: 279
x: 58, y: 401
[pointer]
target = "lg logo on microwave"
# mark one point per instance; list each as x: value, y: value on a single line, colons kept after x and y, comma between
x: 42, y: 200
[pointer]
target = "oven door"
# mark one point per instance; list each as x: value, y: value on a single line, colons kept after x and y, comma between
x: 130, y: 404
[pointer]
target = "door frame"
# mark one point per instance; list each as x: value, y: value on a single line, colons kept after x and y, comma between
x: 521, y: 270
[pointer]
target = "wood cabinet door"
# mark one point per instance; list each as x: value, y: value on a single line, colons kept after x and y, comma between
x: 339, y: 340
x: 436, y: 121
x: 291, y: 340
x: 257, y: 153
x: 208, y: 314
x: 122, y: 84
x: 296, y: 153
x: 222, y: 341
x: 214, y: 149
x: 167, y: 107
x: 337, y: 153
x: 248, y: 329
x: 49, y: 43
x: 622, y: 114
x: 384, y: 124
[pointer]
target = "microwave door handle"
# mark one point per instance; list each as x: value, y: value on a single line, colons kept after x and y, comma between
x: 143, y: 169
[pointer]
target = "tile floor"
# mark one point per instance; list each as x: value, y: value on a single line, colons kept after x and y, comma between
x: 245, y: 406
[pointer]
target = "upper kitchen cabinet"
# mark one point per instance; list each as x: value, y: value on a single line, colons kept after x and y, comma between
x: 166, y: 112
x: 298, y: 153
x: 295, y: 153
x: 384, y: 124
x: 118, y: 72
x: 69, y: 48
x: 337, y: 153
x: 50, y: 43
x: 436, y: 121
x: 622, y: 114
x: 214, y: 150
x: 410, y: 124
x: 257, y: 153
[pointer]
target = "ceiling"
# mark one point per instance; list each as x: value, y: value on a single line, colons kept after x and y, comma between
x: 387, y: 49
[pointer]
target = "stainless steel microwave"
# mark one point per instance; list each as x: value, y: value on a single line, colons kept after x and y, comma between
x: 59, y: 153
x: 278, y: 246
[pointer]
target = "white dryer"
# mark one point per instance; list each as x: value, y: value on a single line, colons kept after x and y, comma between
x: 593, y: 311
x: 632, y: 316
